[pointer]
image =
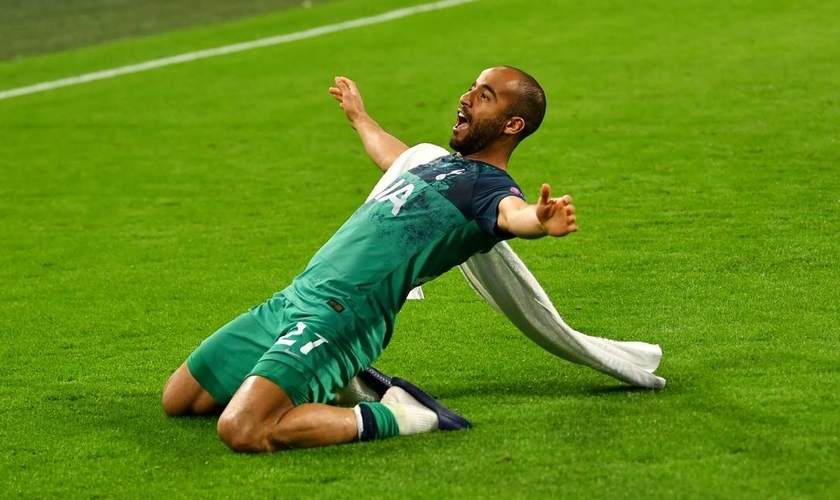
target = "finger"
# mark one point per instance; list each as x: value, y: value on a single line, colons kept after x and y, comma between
x: 341, y: 83
x: 545, y: 194
x: 350, y: 84
x: 570, y: 209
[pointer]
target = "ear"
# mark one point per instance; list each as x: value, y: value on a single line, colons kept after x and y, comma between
x: 514, y: 125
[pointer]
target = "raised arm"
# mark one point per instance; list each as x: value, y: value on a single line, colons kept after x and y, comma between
x: 549, y: 217
x: 382, y: 147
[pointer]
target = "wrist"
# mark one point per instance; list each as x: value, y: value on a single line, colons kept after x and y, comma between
x: 361, y: 120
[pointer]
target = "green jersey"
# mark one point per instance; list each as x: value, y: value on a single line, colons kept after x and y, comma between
x: 432, y: 218
x: 338, y: 315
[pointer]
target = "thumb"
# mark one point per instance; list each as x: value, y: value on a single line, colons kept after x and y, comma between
x: 545, y: 194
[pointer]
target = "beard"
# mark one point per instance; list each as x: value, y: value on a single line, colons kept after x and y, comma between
x: 481, y: 134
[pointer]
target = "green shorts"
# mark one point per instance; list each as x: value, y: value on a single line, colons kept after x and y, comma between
x: 310, y: 356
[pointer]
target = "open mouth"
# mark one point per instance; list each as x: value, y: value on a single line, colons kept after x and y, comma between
x: 462, y: 123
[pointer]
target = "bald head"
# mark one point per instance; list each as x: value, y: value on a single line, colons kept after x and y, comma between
x: 503, y: 106
x: 528, y: 102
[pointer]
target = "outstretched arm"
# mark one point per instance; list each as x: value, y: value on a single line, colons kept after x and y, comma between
x: 382, y: 147
x: 549, y: 217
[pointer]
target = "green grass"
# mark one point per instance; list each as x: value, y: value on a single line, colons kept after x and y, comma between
x: 700, y: 142
x: 29, y: 27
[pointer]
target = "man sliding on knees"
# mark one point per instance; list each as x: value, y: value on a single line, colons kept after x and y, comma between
x: 273, y: 372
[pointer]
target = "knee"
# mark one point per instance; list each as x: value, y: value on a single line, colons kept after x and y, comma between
x: 174, y: 399
x: 183, y: 395
x: 172, y: 405
x: 241, y: 434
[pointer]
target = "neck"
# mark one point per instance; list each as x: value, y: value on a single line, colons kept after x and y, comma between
x: 497, y: 155
x: 500, y: 163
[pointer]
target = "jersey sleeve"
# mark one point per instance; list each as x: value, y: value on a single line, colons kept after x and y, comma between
x: 491, y: 188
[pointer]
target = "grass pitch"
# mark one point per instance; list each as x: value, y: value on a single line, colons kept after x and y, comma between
x: 700, y: 142
x: 29, y: 27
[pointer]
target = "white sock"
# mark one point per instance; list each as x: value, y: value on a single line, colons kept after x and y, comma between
x: 412, y: 417
x: 356, y: 392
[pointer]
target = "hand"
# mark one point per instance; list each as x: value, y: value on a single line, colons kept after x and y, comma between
x: 348, y: 96
x: 556, y: 215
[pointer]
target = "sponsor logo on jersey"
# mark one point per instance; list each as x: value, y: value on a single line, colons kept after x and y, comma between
x: 440, y: 177
x: 337, y: 307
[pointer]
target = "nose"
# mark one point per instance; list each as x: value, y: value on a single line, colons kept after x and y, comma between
x: 465, y: 100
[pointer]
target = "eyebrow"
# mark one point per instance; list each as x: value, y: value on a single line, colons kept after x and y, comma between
x: 488, y: 87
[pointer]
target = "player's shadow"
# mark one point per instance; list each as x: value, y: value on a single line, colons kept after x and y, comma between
x: 536, y: 388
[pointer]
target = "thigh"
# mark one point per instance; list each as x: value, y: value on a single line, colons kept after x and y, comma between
x: 223, y: 361
x: 249, y: 422
x: 310, y: 361
x: 261, y: 417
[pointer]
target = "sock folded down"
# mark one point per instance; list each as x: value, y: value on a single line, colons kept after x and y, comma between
x: 398, y: 414
x: 375, y: 421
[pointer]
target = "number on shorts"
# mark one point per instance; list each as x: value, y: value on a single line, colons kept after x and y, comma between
x: 305, y: 348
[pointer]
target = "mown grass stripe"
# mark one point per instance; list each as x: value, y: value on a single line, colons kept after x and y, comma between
x: 230, y: 49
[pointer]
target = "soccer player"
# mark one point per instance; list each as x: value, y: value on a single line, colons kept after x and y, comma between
x: 271, y: 371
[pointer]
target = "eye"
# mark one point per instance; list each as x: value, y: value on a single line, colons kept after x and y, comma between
x: 485, y: 96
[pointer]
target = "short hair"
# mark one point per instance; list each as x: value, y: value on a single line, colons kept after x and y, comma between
x: 529, y: 103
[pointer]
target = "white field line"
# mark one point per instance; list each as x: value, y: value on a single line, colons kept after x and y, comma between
x: 229, y: 49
